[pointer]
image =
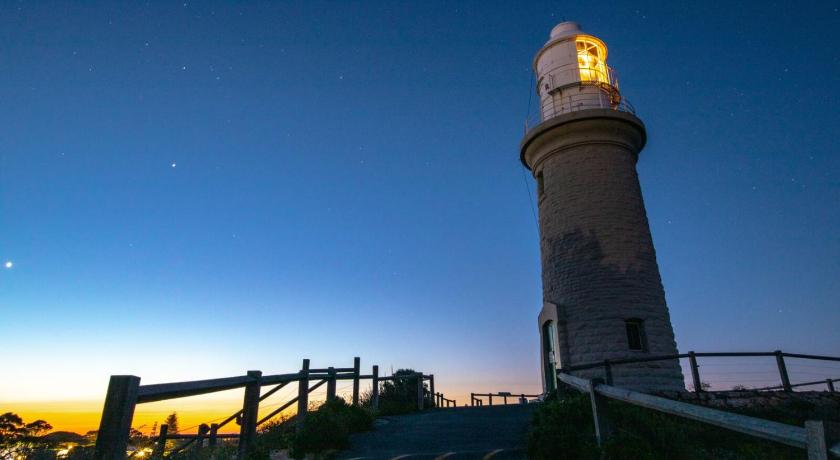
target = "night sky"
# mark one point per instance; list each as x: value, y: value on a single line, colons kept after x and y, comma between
x: 191, y: 190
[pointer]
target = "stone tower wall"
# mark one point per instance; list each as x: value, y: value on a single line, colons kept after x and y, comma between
x: 598, y: 261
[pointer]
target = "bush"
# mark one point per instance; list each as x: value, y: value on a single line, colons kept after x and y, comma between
x: 275, y: 435
x: 399, y: 396
x: 80, y: 453
x: 328, y: 428
x: 221, y: 451
x: 564, y: 429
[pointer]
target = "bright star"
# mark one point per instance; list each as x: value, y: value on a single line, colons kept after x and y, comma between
x: 8, y: 264
x: 174, y: 164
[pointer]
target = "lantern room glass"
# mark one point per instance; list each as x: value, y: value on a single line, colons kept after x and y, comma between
x: 591, y: 57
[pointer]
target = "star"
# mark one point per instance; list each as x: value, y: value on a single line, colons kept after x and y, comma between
x: 8, y: 264
x: 174, y: 164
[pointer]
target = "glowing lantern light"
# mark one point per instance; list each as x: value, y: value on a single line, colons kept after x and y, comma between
x: 592, y: 61
x: 572, y: 74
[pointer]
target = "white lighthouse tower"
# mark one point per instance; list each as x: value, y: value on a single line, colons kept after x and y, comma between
x: 602, y: 293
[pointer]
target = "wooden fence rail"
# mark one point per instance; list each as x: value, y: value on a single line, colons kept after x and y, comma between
x: 125, y: 392
x: 475, y: 398
x: 442, y: 401
x: 821, y: 439
x: 608, y: 364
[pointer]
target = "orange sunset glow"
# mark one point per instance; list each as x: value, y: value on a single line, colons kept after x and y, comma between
x: 266, y: 230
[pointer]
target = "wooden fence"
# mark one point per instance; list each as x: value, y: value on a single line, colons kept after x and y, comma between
x: 608, y: 364
x: 441, y: 401
x: 821, y: 439
x: 475, y: 398
x: 125, y: 392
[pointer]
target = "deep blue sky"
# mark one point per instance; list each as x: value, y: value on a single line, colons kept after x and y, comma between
x: 346, y: 182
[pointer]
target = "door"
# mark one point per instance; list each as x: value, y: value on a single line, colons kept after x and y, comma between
x: 549, y: 338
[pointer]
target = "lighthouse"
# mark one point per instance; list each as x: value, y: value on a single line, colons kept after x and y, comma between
x: 603, y: 297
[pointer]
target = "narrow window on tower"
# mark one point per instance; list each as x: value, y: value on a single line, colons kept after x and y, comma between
x: 636, y: 334
x: 540, y: 185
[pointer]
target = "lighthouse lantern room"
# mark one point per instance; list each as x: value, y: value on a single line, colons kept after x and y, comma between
x: 572, y: 73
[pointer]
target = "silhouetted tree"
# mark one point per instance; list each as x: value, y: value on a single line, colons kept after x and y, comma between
x: 18, y: 437
x: 172, y: 422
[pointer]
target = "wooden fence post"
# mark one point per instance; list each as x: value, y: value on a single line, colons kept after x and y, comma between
x: 330, y: 383
x: 490, y: 396
x: 160, y: 447
x: 303, y: 394
x: 202, y: 433
x: 608, y: 377
x: 214, y: 432
x: 780, y: 361
x: 695, y: 372
x: 599, y: 414
x: 820, y: 436
x: 115, y: 424
x: 419, y: 391
x: 472, y: 399
x: 505, y: 399
x: 357, y: 367
x: 250, y: 407
x: 432, y: 390
x: 374, y: 391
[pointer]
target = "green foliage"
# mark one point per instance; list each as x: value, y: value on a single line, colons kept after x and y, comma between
x: 328, y: 428
x: 40, y: 452
x: 219, y: 452
x: 564, y: 429
x: 80, y: 453
x: 18, y: 438
x: 275, y: 435
x: 399, y: 396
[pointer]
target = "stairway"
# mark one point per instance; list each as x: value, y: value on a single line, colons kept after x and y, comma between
x: 489, y: 432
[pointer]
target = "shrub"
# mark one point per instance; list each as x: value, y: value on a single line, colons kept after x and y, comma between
x: 399, y: 396
x: 564, y: 429
x: 328, y: 428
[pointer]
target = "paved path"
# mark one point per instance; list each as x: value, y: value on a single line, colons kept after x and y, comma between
x: 497, y: 433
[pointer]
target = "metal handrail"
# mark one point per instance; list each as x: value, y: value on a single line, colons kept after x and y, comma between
x: 551, y: 108
x: 573, y: 75
x: 592, y: 365
x: 827, y: 382
x: 692, y: 356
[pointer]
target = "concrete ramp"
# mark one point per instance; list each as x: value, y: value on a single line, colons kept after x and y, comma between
x: 497, y: 433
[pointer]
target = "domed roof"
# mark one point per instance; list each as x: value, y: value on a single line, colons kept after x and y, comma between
x: 565, y: 29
